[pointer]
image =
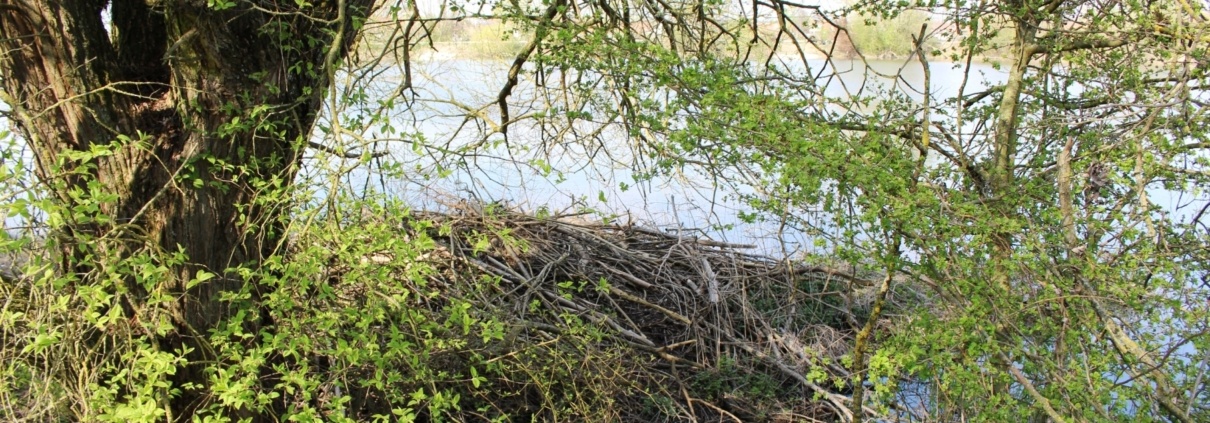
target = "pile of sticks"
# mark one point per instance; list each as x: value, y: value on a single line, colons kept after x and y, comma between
x: 687, y: 300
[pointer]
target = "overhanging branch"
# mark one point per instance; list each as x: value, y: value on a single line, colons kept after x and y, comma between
x: 515, y: 70
x: 344, y: 154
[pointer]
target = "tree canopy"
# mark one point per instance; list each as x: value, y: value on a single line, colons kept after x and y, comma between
x: 1004, y: 201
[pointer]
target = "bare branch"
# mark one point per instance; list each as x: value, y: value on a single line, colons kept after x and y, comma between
x: 346, y: 154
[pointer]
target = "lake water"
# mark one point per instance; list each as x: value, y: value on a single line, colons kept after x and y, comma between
x: 569, y: 175
x: 580, y: 177
x: 445, y: 90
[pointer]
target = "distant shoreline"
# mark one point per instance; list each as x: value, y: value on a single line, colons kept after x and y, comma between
x: 448, y: 51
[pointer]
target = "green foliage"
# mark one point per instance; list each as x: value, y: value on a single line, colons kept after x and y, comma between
x: 472, y: 39
x: 363, y: 328
x: 731, y: 378
x: 891, y: 37
x: 1001, y: 277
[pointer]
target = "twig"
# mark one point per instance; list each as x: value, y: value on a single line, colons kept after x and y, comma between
x: 634, y: 299
x: 347, y: 154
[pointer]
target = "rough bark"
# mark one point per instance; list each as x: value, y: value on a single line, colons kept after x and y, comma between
x: 175, y: 76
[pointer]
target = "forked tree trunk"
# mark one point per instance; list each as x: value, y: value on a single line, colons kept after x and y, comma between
x: 221, y: 99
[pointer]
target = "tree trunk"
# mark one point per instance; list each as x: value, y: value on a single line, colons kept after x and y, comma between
x: 201, y: 109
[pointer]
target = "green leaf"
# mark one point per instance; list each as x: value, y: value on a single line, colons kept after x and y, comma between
x: 202, y: 276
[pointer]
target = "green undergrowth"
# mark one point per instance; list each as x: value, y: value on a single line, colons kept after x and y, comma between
x: 367, y: 317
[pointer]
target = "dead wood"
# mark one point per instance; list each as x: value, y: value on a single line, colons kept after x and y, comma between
x: 693, y: 304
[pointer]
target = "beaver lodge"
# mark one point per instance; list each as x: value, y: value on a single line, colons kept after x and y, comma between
x: 496, y: 314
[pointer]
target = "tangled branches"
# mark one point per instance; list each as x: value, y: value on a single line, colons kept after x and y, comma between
x: 698, y: 307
